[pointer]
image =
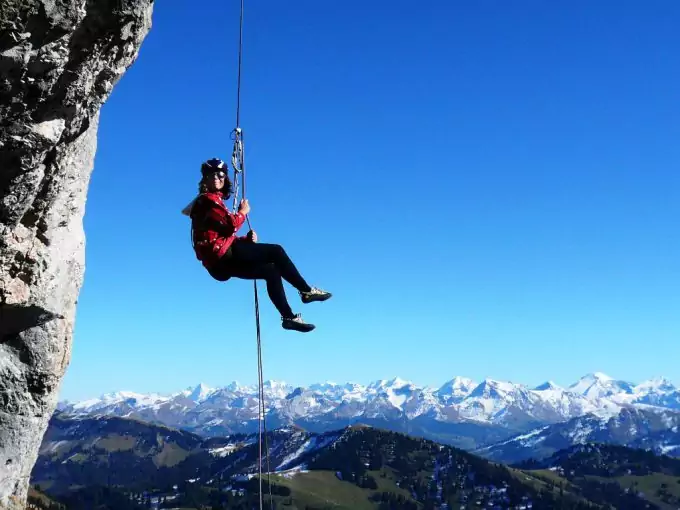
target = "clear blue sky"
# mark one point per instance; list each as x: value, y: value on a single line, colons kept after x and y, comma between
x: 489, y: 189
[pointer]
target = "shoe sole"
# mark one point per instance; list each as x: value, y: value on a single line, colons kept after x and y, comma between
x: 301, y: 330
x: 315, y: 298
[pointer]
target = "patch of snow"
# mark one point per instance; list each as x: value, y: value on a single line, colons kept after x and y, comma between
x: 315, y: 443
x: 669, y: 448
x: 222, y: 451
x: 604, y: 409
x: 290, y: 473
x: 521, y: 439
x: 396, y: 400
x: 53, y: 446
x: 581, y: 432
x: 531, y: 434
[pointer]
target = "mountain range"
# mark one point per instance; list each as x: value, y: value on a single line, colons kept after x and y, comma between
x: 649, y: 429
x: 85, y: 462
x: 461, y: 412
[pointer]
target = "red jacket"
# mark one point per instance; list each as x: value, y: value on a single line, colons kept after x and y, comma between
x: 214, y: 227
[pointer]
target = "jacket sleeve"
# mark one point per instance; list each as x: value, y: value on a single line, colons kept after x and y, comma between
x: 211, y: 217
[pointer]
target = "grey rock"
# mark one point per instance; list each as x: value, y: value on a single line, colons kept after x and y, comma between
x: 59, y: 61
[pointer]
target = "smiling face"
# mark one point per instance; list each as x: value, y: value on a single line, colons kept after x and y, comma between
x: 215, y: 180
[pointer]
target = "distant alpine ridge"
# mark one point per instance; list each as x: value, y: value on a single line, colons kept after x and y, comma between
x: 461, y: 412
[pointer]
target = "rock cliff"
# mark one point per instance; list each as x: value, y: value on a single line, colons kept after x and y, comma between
x: 59, y: 60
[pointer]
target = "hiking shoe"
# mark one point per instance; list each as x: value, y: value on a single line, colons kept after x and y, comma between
x: 315, y: 295
x: 296, y: 323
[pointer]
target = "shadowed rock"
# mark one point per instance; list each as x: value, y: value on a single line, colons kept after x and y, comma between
x: 15, y: 319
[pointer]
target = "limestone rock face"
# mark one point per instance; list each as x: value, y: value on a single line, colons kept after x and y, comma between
x: 59, y: 60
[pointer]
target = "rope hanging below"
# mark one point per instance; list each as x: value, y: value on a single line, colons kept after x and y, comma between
x: 238, y: 163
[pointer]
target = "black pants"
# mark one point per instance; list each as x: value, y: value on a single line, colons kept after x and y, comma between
x: 262, y: 261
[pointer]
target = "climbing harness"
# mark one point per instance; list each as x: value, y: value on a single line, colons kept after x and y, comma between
x: 238, y: 163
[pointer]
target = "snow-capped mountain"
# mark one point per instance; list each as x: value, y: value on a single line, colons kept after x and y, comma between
x: 118, y: 402
x: 458, y: 411
x: 651, y: 428
x: 199, y: 393
x: 657, y: 392
x: 455, y: 390
x: 599, y: 385
x: 397, y: 397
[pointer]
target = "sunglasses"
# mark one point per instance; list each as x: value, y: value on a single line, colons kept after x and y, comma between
x: 219, y: 175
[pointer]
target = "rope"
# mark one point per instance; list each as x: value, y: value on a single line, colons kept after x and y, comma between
x: 240, y: 54
x: 238, y: 161
x: 239, y: 168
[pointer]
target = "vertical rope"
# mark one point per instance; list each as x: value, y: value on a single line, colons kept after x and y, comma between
x: 240, y: 53
x: 261, y: 406
x: 262, y: 426
x: 239, y: 164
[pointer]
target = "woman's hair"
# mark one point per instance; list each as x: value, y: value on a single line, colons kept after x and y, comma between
x: 228, y: 188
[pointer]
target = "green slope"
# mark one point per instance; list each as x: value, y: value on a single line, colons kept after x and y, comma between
x: 321, y: 489
x: 662, y: 490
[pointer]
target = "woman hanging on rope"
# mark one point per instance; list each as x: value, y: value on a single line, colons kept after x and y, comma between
x: 225, y: 255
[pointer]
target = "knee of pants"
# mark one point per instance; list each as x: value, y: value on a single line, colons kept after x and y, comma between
x: 271, y: 272
x: 278, y: 250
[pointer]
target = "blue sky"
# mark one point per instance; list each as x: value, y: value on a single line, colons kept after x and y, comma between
x: 489, y: 189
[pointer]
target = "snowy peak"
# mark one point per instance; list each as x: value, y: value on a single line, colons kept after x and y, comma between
x: 117, y: 399
x: 456, y: 389
x: 234, y: 408
x: 587, y: 381
x: 548, y: 386
x: 200, y: 393
x: 599, y: 385
x: 658, y: 392
x: 274, y: 385
x: 276, y: 389
x: 656, y: 385
x: 340, y: 392
x: 395, y: 392
x: 500, y: 403
x: 393, y: 384
x: 301, y: 403
x: 636, y: 428
x: 324, y: 387
x: 236, y: 387
x: 399, y: 383
x: 490, y: 388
